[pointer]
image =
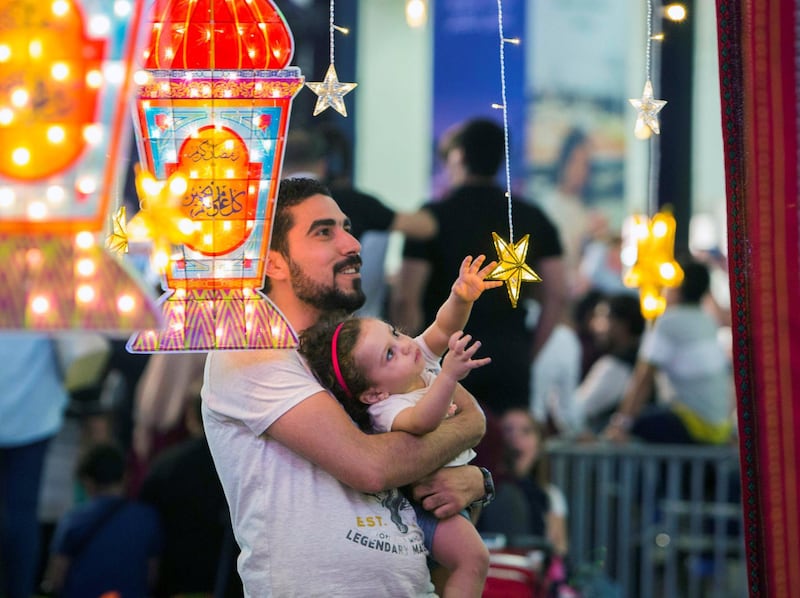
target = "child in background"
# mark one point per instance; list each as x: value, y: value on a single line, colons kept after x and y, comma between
x: 388, y: 381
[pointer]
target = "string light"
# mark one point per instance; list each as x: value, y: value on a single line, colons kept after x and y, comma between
x: 647, y: 107
x: 416, y: 13
x: 511, y: 267
x: 330, y: 91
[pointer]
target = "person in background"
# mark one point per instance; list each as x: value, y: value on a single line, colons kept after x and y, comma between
x: 31, y: 414
x: 182, y: 485
x: 618, y: 325
x: 323, y: 154
x: 475, y: 207
x: 681, y: 357
x: 313, y: 499
x: 108, y: 544
x: 528, y: 509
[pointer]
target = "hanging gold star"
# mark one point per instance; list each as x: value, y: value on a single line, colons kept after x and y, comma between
x: 117, y: 240
x: 331, y: 92
x: 648, y: 109
x: 655, y: 268
x: 511, y: 267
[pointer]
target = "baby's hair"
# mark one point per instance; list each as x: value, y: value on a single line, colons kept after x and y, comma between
x: 315, y: 346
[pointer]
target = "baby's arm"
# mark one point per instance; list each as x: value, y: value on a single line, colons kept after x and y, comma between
x: 454, y: 313
x: 426, y: 415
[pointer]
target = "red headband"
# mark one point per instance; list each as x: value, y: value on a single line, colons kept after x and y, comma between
x: 335, y: 361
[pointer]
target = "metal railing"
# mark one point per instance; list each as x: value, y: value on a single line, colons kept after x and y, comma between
x: 658, y: 520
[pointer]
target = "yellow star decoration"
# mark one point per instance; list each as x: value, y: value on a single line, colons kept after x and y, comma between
x: 648, y: 109
x: 161, y: 217
x: 655, y: 268
x: 331, y: 92
x: 511, y: 267
x: 117, y: 240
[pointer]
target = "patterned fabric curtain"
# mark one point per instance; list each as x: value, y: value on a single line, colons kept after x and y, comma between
x: 758, y: 52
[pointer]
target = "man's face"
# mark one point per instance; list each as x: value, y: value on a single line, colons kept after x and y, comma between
x: 324, y: 260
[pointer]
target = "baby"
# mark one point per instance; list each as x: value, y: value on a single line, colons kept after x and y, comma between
x: 388, y: 381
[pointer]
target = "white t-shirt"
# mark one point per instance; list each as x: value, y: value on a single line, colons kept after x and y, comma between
x: 694, y: 368
x: 382, y: 413
x: 301, y: 531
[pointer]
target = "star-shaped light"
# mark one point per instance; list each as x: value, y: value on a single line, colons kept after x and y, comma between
x: 648, y: 109
x: 655, y: 268
x: 331, y: 92
x: 161, y: 216
x: 511, y: 267
x: 117, y: 240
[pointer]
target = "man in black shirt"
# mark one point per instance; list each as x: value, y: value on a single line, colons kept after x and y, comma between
x: 474, y: 208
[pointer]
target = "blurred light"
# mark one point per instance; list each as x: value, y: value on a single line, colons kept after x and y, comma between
x: 675, y: 12
x: 85, y: 293
x: 416, y: 13
x: 126, y: 304
x: 84, y: 240
x: 40, y: 305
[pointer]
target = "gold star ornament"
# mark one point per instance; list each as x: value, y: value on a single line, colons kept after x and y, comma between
x: 648, y: 109
x: 117, y: 240
x: 655, y: 267
x: 331, y: 92
x: 511, y: 267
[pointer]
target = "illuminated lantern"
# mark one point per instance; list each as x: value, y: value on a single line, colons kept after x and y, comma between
x: 649, y: 247
x: 65, y: 69
x: 212, y: 112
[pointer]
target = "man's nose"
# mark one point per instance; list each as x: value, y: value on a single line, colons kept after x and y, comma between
x: 349, y: 243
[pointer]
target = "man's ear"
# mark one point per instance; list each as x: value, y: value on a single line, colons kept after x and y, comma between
x: 277, y: 266
x: 373, y: 395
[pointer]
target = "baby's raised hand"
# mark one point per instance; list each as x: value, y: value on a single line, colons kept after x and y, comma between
x: 471, y: 278
x: 458, y: 362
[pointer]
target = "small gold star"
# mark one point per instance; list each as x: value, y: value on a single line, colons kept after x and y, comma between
x: 117, y: 240
x: 648, y: 109
x: 331, y: 92
x: 511, y: 267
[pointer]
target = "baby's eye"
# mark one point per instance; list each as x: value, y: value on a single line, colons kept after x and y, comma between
x: 389, y: 354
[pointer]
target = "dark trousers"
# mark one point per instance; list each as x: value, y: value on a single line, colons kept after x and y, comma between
x: 661, y: 425
x: 20, y: 479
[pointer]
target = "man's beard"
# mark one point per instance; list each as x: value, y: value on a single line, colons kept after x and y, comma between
x: 327, y: 298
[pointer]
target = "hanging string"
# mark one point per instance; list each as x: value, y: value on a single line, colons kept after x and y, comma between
x: 653, y: 145
x: 504, y: 107
x: 331, y: 28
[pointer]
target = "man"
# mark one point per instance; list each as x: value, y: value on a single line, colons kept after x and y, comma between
x: 682, y: 358
x: 311, y: 496
x: 474, y: 208
x: 310, y: 153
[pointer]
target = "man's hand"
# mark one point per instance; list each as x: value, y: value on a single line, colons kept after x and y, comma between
x: 449, y: 490
x: 470, y: 282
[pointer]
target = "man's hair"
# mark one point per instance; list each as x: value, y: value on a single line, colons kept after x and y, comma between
x: 103, y: 464
x: 696, y: 280
x: 316, y: 347
x: 627, y: 308
x: 482, y: 141
x: 292, y: 192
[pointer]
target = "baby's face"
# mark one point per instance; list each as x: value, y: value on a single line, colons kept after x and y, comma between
x: 392, y: 361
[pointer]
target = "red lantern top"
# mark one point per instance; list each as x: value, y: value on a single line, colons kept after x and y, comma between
x: 218, y: 34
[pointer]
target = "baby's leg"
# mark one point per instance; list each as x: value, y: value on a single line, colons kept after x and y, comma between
x: 458, y: 547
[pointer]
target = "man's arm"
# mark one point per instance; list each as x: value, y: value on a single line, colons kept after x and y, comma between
x: 552, y: 296
x: 406, y: 299
x: 636, y: 395
x: 319, y: 430
x: 419, y: 225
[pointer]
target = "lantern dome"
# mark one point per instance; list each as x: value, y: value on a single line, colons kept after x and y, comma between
x: 218, y: 34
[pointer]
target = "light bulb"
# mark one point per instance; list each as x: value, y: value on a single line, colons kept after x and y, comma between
x: 641, y: 130
x: 416, y: 13
x: 675, y: 12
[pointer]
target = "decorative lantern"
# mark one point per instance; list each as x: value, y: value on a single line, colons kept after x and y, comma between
x: 212, y: 112
x: 652, y: 244
x: 65, y: 68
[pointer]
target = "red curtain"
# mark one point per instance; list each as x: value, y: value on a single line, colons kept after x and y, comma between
x: 758, y: 54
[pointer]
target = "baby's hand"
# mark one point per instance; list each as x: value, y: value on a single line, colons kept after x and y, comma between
x: 458, y: 362
x: 470, y: 282
x: 451, y: 410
